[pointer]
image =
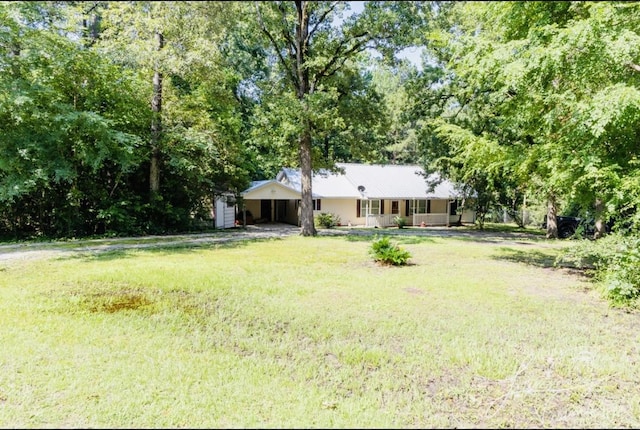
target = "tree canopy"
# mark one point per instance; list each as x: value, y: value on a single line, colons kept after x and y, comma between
x: 131, y: 117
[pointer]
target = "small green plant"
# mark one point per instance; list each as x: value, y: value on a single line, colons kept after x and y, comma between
x: 385, y: 252
x: 400, y: 221
x: 327, y: 220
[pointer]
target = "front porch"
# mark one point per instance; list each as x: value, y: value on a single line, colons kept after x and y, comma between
x: 415, y: 220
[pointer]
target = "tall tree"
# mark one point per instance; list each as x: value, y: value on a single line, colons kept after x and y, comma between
x: 314, y: 42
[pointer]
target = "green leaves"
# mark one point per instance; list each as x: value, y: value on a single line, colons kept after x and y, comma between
x: 385, y: 252
x: 613, y: 109
x: 547, y: 91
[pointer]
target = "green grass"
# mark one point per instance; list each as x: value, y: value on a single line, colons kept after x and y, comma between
x: 310, y: 332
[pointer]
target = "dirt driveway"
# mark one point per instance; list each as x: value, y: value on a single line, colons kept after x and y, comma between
x: 41, y: 250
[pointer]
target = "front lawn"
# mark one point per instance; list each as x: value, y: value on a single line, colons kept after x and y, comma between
x: 311, y: 333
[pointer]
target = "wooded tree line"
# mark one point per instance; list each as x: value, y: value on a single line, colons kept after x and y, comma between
x: 538, y: 99
x: 130, y: 117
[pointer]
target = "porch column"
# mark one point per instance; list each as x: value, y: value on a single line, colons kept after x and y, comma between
x: 366, y: 213
x: 273, y: 210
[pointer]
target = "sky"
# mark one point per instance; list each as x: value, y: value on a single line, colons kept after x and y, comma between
x: 412, y: 54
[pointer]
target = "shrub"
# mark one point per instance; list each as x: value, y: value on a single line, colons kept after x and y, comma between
x: 621, y: 277
x: 327, y: 220
x: 385, y: 252
x: 615, y: 261
x: 399, y: 221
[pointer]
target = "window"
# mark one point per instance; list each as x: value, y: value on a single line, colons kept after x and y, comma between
x: 419, y: 207
x: 315, y: 204
x: 373, y: 205
x: 453, y: 207
x: 395, y: 207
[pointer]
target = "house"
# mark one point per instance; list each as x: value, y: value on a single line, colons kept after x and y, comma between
x: 360, y: 195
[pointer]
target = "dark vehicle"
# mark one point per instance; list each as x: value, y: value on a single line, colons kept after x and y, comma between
x: 568, y: 225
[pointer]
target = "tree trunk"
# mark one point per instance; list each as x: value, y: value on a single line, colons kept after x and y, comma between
x: 552, y: 223
x: 91, y: 26
x: 480, y: 219
x: 600, y: 229
x: 460, y: 210
x: 156, y: 125
x: 303, y: 90
x: 306, y: 202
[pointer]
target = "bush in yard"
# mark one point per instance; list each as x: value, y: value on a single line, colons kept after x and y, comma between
x: 621, y: 276
x: 615, y: 261
x: 327, y: 220
x: 400, y: 221
x: 385, y: 252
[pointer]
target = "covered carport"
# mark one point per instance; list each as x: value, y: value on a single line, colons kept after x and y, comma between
x: 270, y: 201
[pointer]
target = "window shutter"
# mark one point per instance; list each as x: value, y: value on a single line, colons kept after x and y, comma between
x: 406, y: 207
x: 318, y: 204
x: 428, y: 206
x: 381, y: 207
x: 358, y: 208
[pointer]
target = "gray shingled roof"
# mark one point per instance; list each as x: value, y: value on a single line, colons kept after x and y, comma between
x: 379, y: 182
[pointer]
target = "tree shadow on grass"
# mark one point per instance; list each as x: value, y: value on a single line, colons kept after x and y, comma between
x: 516, y: 240
x: 119, y: 252
x: 529, y: 257
x: 540, y: 259
x: 398, y: 238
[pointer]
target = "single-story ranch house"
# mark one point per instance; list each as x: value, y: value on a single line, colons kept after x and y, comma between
x: 362, y: 195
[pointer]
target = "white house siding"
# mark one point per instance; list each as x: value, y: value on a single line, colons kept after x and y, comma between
x: 440, y: 206
x: 344, y: 208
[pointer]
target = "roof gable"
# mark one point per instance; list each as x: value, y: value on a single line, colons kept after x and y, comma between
x: 272, y: 189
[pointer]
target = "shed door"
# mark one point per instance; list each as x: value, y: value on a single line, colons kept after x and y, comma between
x: 220, y: 204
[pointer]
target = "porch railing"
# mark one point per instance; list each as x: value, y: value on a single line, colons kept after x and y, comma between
x: 431, y: 219
x: 387, y: 220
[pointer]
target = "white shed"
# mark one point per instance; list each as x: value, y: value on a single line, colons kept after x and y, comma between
x: 225, y: 211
